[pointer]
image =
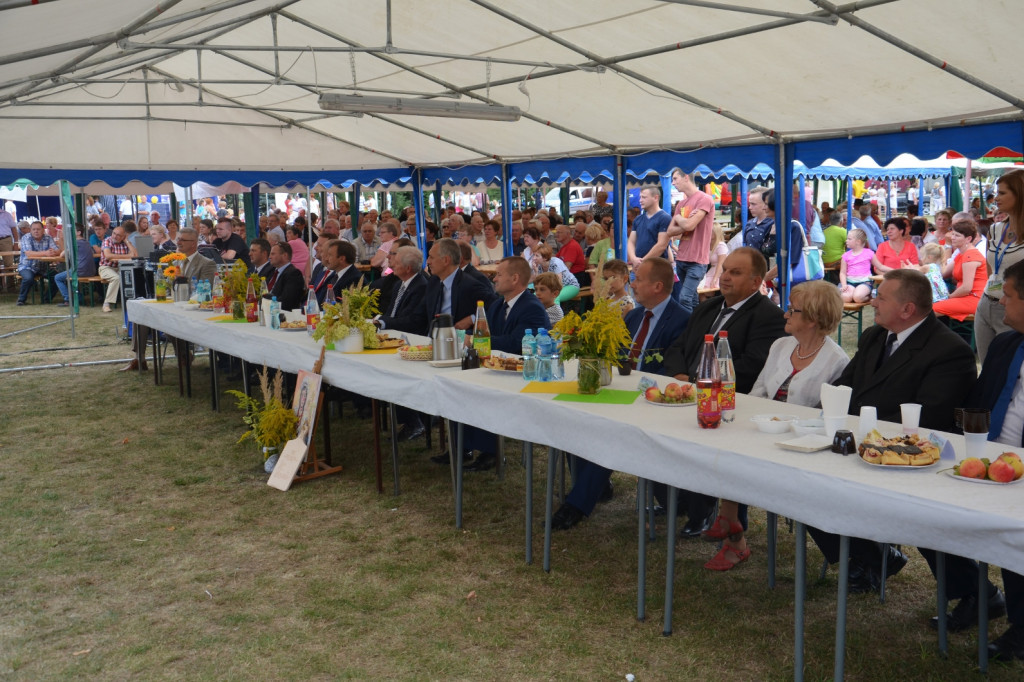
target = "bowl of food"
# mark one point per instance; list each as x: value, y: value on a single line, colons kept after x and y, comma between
x: 803, y: 427
x: 773, y: 423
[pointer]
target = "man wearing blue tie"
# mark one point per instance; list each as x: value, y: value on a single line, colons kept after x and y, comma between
x: 1000, y: 389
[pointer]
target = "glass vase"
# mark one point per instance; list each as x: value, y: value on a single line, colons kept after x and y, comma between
x: 588, y: 377
x: 237, y: 310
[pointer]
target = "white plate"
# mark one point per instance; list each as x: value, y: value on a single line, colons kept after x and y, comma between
x: 446, y: 363
x: 651, y: 402
x: 898, y: 467
x: 810, y: 442
x: 983, y: 481
x: 291, y: 329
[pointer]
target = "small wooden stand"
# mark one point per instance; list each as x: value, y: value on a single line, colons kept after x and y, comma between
x: 312, y: 466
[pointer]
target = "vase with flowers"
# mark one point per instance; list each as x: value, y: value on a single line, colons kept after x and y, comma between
x: 169, y: 271
x: 351, y: 317
x: 271, y: 423
x: 235, y: 281
x: 596, y: 339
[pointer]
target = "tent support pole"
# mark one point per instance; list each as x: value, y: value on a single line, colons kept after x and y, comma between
x: 506, y: 210
x: 744, y: 195
x: 783, y: 202
x: 621, y: 208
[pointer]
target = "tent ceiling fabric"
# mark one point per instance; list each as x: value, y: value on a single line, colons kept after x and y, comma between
x: 175, y: 85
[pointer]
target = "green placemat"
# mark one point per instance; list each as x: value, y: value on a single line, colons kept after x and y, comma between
x: 608, y: 396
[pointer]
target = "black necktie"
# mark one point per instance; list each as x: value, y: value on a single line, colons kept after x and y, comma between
x: 720, y: 319
x: 890, y: 341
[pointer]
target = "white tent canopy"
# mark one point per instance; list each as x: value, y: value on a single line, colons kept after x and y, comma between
x: 142, y: 85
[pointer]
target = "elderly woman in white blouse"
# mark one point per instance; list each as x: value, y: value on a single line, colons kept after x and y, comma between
x: 796, y: 368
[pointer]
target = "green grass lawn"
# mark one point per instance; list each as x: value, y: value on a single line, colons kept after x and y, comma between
x: 139, y: 540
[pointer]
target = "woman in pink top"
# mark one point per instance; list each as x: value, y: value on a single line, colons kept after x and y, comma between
x: 855, y: 269
x: 300, y: 252
x: 897, y: 252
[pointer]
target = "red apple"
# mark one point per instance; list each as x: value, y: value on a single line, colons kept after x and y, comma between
x: 689, y: 393
x: 972, y: 467
x: 654, y: 395
x: 673, y: 393
x: 1001, y: 471
x: 1014, y: 460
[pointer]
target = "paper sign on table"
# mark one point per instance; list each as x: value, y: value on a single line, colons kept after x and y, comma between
x: 946, y: 449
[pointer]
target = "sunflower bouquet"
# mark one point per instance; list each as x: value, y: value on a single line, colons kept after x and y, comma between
x: 173, y: 265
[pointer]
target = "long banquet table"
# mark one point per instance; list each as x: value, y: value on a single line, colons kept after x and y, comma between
x: 839, y: 494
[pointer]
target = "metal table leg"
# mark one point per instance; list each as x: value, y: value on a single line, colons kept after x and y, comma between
x: 553, y: 457
x: 394, y: 450
x: 670, y: 558
x: 650, y: 509
x: 772, y: 533
x: 844, y: 576
x: 800, y: 596
x: 940, y: 599
x: 528, y: 456
x: 457, y: 456
x: 982, y: 616
x: 214, y: 384
x: 641, y: 553
x: 246, y: 385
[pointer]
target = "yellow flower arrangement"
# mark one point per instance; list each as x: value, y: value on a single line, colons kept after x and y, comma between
x: 600, y: 333
x: 271, y: 424
x: 235, y: 281
x: 173, y: 265
x: 358, y: 305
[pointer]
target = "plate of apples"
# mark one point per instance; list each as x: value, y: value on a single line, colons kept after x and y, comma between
x: 1006, y: 469
x: 674, y: 395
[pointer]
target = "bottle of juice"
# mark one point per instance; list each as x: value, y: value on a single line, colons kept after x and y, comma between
x: 709, y: 383
x: 481, y: 333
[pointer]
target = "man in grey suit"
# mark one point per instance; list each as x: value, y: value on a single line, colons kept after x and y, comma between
x: 196, y: 264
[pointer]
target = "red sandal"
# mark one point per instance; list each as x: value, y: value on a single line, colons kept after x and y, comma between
x: 716, y: 532
x: 720, y: 562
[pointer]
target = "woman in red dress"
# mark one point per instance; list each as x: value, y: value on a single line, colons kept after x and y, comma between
x: 968, y: 270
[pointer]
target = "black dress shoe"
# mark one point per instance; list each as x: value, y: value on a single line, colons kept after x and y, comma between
x: 965, y: 614
x: 444, y: 459
x: 1009, y: 645
x: 895, y: 563
x: 566, y: 517
x: 607, y: 493
x: 694, y: 527
x: 411, y: 432
x: 862, y: 578
x: 485, y: 461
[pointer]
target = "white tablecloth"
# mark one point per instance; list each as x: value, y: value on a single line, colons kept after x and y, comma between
x: 835, y: 493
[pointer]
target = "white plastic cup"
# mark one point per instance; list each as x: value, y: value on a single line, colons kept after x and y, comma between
x: 868, y: 420
x: 833, y: 424
x: 911, y: 413
x: 977, y: 444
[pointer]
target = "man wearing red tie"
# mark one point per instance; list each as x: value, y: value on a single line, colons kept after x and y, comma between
x: 654, y: 324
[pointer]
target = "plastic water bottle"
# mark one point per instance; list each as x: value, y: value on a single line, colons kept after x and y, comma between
x: 312, y: 311
x: 727, y: 373
x: 557, y: 368
x: 329, y: 298
x: 193, y: 289
x: 529, y: 356
x: 544, y: 348
x: 275, y: 313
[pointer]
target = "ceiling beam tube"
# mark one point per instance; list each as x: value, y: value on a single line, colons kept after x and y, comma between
x: 597, y: 59
x: 303, y: 126
x: 695, y: 42
x: 451, y: 86
x: 757, y: 10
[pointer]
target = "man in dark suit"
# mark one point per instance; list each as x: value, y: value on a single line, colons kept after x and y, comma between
x: 753, y: 323
x: 405, y: 312
x: 1000, y: 390
x: 908, y: 356
x: 508, y: 317
x: 259, y: 253
x: 341, y: 258
x: 450, y: 290
x: 323, y: 277
x: 656, y: 322
x: 286, y: 281
x: 386, y: 283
